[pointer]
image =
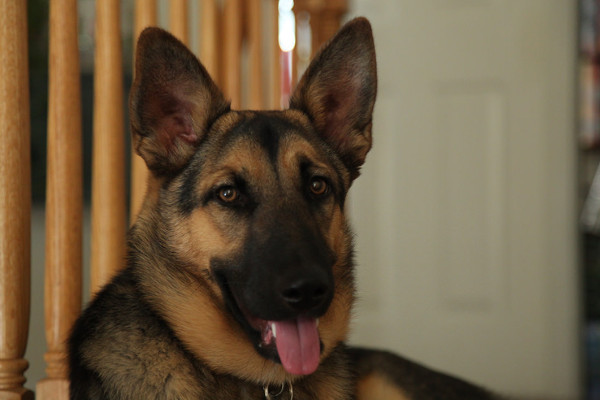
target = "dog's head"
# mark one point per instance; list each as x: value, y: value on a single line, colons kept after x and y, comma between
x: 245, y: 209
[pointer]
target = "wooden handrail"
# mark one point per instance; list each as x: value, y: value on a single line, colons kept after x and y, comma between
x: 15, y: 198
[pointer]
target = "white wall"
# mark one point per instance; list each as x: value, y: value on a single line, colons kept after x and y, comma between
x: 503, y: 312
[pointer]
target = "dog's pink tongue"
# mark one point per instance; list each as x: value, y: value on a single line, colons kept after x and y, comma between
x: 298, y: 345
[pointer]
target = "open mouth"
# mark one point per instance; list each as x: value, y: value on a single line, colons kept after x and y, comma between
x: 296, y: 341
x: 293, y: 342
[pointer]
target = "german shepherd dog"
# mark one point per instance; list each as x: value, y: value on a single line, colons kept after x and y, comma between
x: 239, y: 277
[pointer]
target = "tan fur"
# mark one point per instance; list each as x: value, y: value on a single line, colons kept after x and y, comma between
x: 374, y: 387
x: 177, y: 372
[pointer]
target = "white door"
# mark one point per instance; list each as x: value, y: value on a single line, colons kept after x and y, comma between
x: 466, y: 211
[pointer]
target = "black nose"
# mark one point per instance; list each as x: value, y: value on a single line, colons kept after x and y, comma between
x: 306, y: 294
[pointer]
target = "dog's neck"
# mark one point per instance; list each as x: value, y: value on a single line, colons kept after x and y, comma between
x: 332, y: 381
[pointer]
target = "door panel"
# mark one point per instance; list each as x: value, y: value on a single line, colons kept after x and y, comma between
x: 465, y: 214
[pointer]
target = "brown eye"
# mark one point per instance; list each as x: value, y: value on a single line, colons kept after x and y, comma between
x: 228, y: 194
x: 318, y: 187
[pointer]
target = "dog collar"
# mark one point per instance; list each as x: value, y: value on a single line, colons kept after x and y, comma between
x: 270, y: 395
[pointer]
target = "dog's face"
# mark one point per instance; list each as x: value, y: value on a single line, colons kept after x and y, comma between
x: 249, y: 205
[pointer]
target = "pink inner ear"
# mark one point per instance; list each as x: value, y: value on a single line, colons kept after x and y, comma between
x: 173, y: 126
x: 339, y: 105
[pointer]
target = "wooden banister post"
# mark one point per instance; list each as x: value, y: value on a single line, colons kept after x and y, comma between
x: 15, y: 199
x: 210, y: 16
x: 62, y: 283
x: 254, y: 23
x: 178, y: 20
x: 232, y: 48
x: 145, y: 15
x: 275, y: 58
x: 108, y: 164
x: 325, y: 18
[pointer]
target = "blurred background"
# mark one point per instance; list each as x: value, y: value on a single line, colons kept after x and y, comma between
x: 477, y: 213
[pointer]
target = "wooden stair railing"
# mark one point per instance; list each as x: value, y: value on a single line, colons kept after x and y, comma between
x: 15, y: 195
x: 109, y: 213
x: 145, y: 15
x: 64, y: 198
x: 229, y: 28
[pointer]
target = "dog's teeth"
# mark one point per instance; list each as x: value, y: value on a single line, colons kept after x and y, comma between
x: 273, y: 329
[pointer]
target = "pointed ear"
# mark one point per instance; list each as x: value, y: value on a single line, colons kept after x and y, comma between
x: 338, y: 91
x: 173, y: 102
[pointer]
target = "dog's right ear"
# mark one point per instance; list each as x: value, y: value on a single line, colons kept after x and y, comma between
x: 173, y: 102
x: 338, y: 92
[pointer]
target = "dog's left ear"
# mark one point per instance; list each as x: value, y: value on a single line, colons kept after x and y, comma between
x: 338, y: 91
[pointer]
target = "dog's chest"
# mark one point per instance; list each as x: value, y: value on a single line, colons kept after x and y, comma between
x: 320, y: 386
x: 285, y: 392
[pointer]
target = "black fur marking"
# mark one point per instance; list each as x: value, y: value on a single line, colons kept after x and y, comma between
x: 266, y: 129
x: 269, y: 352
x: 274, y: 256
x: 188, y: 199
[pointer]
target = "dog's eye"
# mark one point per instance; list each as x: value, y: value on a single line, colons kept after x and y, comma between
x: 228, y: 194
x: 318, y: 187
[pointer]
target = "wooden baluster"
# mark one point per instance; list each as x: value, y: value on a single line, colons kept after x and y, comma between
x: 325, y: 18
x: 286, y: 40
x: 15, y: 203
x: 209, y: 34
x: 275, y: 59
x: 145, y: 15
x: 232, y: 34
x: 178, y: 20
x: 62, y: 300
x: 303, y: 49
x: 108, y: 173
x: 255, y: 49
x: 330, y: 21
x: 294, y: 72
